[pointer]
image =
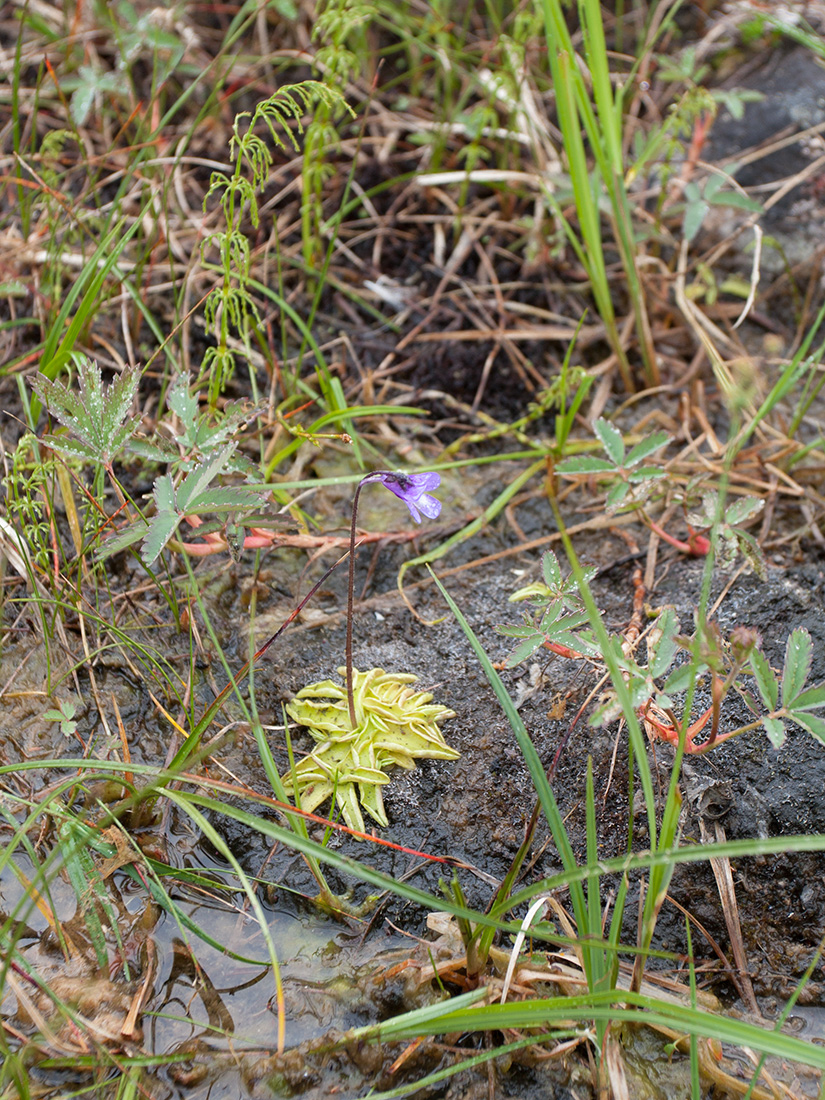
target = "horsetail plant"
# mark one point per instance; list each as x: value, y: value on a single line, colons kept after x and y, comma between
x: 229, y: 305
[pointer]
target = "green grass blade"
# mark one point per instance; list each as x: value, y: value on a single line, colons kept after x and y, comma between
x: 531, y: 758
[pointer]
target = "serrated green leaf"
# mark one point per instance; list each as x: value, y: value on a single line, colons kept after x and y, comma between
x: 616, y: 496
x: 695, y: 214
x: 154, y: 451
x: 810, y: 699
x: 811, y: 722
x: 97, y: 415
x: 524, y: 649
x: 742, y: 509
x: 646, y: 473
x: 517, y: 631
x: 639, y: 691
x: 585, y: 464
x: 766, y: 679
x: 645, y: 447
x: 752, y: 551
x: 611, y: 440
x: 59, y: 400
x: 109, y: 406
x: 661, y: 644
x: 750, y: 700
x: 551, y: 615
x: 72, y: 448
x: 183, y: 403
x: 775, y: 729
x: 113, y: 544
x: 713, y: 185
x: 81, y: 103
x: 681, y: 677
x: 228, y: 498
x: 576, y: 642
x: 569, y: 622
x: 164, y: 493
x: 607, y: 713
x: 161, y: 528
x: 741, y: 202
x: 550, y: 569
x: 197, y: 480
x: 705, y: 514
x: 798, y: 656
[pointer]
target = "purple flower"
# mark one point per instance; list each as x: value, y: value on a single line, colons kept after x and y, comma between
x: 413, y: 490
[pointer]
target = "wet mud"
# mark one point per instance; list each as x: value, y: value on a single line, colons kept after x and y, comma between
x: 476, y: 808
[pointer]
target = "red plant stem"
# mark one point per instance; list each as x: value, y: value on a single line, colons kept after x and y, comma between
x: 697, y: 545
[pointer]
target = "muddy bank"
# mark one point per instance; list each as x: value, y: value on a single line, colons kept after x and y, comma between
x: 476, y: 808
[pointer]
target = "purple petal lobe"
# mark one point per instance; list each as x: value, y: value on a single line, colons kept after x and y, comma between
x: 412, y: 489
x: 430, y: 506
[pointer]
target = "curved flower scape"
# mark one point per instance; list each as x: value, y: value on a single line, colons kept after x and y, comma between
x: 395, y: 726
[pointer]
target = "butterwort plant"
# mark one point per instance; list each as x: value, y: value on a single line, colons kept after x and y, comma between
x: 377, y: 720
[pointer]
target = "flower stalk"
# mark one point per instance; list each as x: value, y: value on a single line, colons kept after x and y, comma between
x: 413, y: 489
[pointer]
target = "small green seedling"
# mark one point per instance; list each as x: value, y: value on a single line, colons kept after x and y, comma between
x: 64, y: 714
x: 699, y: 198
x: 631, y: 482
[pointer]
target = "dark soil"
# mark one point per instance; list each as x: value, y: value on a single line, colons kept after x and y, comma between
x: 475, y: 809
